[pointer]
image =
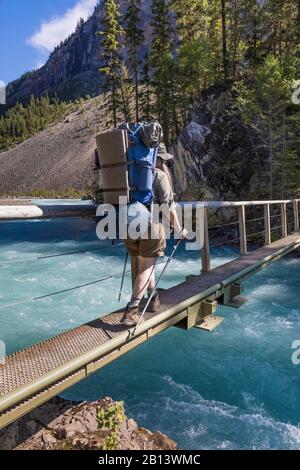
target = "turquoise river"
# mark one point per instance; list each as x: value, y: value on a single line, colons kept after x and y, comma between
x: 234, y: 388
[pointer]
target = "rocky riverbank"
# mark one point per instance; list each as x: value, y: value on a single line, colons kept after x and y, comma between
x: 65, y: 425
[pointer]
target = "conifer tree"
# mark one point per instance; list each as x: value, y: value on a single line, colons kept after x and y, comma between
x: 253, y: 20
x: 126, y: 91
x: 199, y: 52
x: 135, y: 39
x: 224, y: 38
x: 111, y: 43
x: 266, y: 105
x: 162, y: 64
x: 146, y: 92
x: 20, y: 122
x: 188, y: 18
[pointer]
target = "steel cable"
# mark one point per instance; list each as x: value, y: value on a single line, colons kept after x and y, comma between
x: 223, y: 225
x: 57, y: 255
x: 69, y: 289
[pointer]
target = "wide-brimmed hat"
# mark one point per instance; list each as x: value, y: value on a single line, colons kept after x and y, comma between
x: 163, y: 154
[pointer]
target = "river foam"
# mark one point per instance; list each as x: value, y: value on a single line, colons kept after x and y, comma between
x: 233, y: 388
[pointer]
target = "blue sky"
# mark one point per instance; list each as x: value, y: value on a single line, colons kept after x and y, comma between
x: 29, y: 30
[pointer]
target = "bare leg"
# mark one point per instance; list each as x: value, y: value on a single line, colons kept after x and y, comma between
x: 151, y: 284
x: 145, y: 278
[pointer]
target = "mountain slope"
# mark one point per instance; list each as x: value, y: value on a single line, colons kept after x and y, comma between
x: 59, y: 158
x: 62, y: 156
x: 72, y: 70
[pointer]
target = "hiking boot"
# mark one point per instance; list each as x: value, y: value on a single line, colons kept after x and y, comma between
x: 154, y: 304
x: 131, y: 316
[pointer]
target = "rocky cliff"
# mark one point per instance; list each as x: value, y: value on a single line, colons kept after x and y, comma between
x: 215, y: 156
x: 65, y: 425
x: 72, y: 70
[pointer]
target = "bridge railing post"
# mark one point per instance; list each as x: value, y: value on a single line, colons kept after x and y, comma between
x: 284, y: 230
x: 296, y: 215
x: 205, y: 252
x: 267, y: 224
x: 242, y: 230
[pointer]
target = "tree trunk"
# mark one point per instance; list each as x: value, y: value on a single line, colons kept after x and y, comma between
x: 224, y: 38
x: 114, y: 105
x: 298, y: 22
x: 271, y: 156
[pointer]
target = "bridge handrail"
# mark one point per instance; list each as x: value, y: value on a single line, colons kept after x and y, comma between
x: 219, y: 204
x: 242, y: 222
x: 35, y: 211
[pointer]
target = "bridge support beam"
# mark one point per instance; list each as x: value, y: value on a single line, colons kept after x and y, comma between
x: 197, y: 313
x: 232, y: 295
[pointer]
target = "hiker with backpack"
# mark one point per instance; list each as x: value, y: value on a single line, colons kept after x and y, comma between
x: 135, y: 175
x: 149, y: 250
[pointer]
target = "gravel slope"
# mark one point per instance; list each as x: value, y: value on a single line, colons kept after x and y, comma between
x: 59, y: 158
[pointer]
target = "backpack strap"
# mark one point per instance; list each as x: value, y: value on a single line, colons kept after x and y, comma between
x: 114, y: 190
x: 116, y: 165
x: 137, y: 129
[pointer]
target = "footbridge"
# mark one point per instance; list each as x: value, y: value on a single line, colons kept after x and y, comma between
x: 30, y: 377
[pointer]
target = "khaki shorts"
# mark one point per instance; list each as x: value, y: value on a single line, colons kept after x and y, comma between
x: 149, y: 248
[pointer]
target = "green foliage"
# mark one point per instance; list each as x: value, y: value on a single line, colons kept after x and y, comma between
x: 163, y: 68
x: 197, y: 64
x: 13, y: 86
x: 126, y: 90
x: 267, y: 108
x: 21, y: 122
x: 111, y: 40
x: 194, y: 44
x: 134, y: 35
x: 111, y: 419
x: 145, y: 95
x: 189, y: 18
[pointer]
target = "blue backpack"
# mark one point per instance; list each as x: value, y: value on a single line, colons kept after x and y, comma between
x: 141, y: 168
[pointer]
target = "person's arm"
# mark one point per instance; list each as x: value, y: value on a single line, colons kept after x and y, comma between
x: 178, y: 229
x: 174, y: 218
x: 166, y: 196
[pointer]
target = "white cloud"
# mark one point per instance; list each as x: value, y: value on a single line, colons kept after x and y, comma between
x: 55, y: 30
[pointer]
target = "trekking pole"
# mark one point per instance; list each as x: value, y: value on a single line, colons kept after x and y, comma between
x: 156, y: 285
x: 123, y: 277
